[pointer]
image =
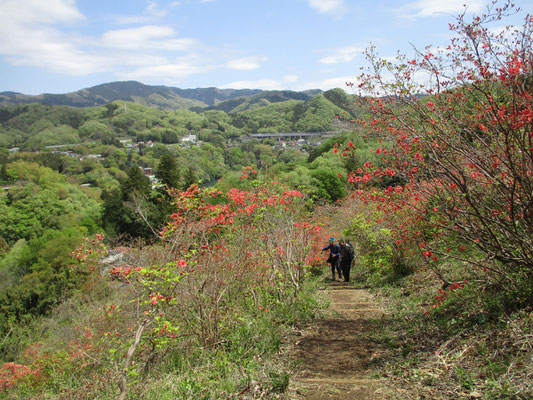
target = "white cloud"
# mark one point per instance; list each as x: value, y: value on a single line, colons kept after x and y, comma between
x: 245, y: 64
x: 291, y: 78
x: 151, y: 13
x: 428, y: 8
x: 327, y: 6
x: 153, y: 9
x: 169, y: 73
x: 29, y: 36
x: 327, y: 83
x: 40, y: 12
x: 265, y: 84
x: 31, y: 32
x: 342, y: 55
x: 147, y: 37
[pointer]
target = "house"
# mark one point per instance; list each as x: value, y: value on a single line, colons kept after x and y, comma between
x: 188, y: 138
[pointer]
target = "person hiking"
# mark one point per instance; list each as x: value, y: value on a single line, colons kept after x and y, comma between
x: 333, y: 258
x: 346, y: 256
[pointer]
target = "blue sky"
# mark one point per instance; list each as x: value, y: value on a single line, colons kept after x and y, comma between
x: 58, y: 46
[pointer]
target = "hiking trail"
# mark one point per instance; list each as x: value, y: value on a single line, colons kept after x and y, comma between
x: 335, y: 353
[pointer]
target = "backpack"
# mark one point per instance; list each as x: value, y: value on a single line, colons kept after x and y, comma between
x: 351, y: 251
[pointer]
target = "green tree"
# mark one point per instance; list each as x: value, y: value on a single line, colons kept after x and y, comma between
x: 3, y: 174
x: 136, y: 184
x: 327, y: 185
x: 4, y: 247
x: 190, y: 178
x: 113, y: 211
x: 169, y: 137
x: 167, y: 171
x: 95, y: 130
x: 133, y: 209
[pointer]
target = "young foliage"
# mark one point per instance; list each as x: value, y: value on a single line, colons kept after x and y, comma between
x: 462, y: 159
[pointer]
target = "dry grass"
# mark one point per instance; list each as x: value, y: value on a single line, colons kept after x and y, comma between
x: 427, y: 359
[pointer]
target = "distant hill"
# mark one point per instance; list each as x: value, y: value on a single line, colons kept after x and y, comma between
x: 163, y: 97
x: 36, y: 125
x: 260, y: 99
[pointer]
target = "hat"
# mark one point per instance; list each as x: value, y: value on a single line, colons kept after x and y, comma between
x: 332, y: 239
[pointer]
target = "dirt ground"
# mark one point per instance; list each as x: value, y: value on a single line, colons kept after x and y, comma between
x: 335, y: 355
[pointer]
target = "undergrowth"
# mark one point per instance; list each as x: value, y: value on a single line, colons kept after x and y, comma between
x: 462, y: 344
x: 247, y: 363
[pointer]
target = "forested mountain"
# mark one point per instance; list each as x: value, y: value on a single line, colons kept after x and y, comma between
x: 258, y: 100
x: 33, y: 126
x: 153, y: 96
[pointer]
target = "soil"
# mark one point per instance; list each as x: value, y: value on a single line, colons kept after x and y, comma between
x: 335, y: 353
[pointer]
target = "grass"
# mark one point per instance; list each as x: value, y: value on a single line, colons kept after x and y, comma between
x: 248, y: 360
x: 461, y: 349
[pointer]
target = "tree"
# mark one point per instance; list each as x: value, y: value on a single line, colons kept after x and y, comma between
x: 190, y: 178
x: 326, y: 146
x: 136, y: 184
x: 113, y: 211
x: 134, y: 208
x: 4, y: 247
x: 169, y: 136
x: 110, y: 108
x: 327, y: 185
x: 167, y: 171
x: 465, y: 149
x: 3, y: 173
x: 95, y: 130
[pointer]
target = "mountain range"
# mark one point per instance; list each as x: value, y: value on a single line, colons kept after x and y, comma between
x: 164, y: 97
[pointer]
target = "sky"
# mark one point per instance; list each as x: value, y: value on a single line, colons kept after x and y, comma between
x: 60, y: 46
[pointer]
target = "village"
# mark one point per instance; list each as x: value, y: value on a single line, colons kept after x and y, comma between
x: 301, y: 141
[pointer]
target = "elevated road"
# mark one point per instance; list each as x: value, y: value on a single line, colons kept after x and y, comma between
x: 292, y: 135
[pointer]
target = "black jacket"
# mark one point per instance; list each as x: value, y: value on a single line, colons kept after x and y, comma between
x: 344, y: 253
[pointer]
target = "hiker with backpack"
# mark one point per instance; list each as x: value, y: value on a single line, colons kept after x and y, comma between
x: 346, y: 256
x: 333, y: 258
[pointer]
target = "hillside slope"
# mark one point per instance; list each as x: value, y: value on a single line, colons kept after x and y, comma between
x: 163, y: 97
x: 261, y: 99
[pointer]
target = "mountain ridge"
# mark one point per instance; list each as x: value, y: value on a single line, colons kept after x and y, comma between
x: 163, y: 97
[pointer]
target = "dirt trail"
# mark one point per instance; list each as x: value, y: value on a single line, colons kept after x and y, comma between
x: 335, y: 354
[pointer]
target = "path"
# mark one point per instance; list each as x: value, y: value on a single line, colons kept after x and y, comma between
x: 335, y: 353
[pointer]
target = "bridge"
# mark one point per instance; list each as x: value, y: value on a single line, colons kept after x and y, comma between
x: 292, y: 135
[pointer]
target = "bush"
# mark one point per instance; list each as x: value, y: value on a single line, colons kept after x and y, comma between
x: 461, y: 162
